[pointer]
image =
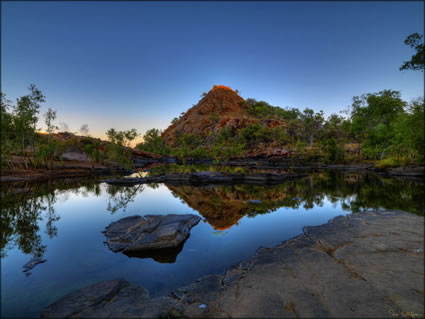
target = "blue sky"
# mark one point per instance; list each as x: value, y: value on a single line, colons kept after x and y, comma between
x: 139, y: 64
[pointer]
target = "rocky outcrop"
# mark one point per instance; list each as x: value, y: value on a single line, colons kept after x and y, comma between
x: 361, y: 265
x: 221, y: 107
x: 109, y: 299
x: 219, y: 104
x: 136, y: 152
x: 76, y: 157
x: 264, y: 152
x: 137, y: 234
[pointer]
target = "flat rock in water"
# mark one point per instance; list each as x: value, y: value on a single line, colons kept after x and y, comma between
x: 150, y: 232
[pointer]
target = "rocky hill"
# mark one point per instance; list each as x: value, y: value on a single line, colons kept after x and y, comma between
x: 222, y: 108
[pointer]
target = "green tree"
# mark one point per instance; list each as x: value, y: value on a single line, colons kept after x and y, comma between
x: 417, y: 62
x: 312, y: 123
x: 84, y: 130
x: 152, y: 142
x: 408, y: 128
x: 416, y: 136
x: 90, y: 150
x: 372, y: 115
x: 119, y: 147
x: 50, y: 117
x: 25, y: 117
x: 294, y: 129
x: 7, y: 132
x: 334, y: 150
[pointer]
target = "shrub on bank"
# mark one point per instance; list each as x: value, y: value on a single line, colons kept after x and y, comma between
x: 387, y: 163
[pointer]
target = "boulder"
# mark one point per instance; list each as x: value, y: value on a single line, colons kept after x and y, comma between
x: 136, y: 234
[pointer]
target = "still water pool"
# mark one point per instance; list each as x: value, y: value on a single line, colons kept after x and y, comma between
x: 62, y: 222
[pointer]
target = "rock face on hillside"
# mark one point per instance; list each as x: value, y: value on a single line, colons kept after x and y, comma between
x: 219, y: 108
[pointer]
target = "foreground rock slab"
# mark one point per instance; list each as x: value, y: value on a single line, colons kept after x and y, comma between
x: 361, y: 265
x: 136, y: 234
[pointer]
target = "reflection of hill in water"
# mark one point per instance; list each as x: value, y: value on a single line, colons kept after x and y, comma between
x: 26, y: 206
x: 224, y: 206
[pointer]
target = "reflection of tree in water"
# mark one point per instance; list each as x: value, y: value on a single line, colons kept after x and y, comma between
x: 223, y: 206
x: 19, y: 226
x: 52, y: 218
x: 121, y: 196
x: 26, y: 205
x: 360, y: 192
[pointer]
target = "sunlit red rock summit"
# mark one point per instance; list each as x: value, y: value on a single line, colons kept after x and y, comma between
x: 220, y: 107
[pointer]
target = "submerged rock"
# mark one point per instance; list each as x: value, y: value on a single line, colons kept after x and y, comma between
x: 32, y: 263
x: 136, y: 234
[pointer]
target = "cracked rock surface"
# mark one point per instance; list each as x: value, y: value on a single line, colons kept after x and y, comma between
x: 150, y: 232
x: 361, y: 265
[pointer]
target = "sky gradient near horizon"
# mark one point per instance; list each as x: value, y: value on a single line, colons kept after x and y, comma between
x: 140, y: 64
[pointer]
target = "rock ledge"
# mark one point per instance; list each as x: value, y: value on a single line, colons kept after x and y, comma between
x: 152, y: 232
x: 361, y: 265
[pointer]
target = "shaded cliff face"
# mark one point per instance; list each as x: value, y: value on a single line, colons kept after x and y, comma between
x: 219, y: 108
